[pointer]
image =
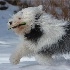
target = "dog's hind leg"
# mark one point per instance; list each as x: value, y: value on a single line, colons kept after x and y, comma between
x: 44, y: 59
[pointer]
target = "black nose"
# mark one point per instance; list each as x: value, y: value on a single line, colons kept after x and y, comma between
x: 10, y: 22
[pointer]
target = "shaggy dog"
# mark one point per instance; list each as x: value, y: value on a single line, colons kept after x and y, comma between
x: 42, y: 36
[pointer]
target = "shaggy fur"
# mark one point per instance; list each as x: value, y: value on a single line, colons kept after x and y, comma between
x: 42, y: 36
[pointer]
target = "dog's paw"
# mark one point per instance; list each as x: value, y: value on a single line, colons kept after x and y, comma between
x: 14, y: 60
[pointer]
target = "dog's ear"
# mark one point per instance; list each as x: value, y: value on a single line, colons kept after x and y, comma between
x: 40, y: 7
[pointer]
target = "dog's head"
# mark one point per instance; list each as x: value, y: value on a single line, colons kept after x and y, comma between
x: 26, y: 16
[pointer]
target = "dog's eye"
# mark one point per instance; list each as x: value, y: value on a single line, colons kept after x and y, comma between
x: 19, y: 18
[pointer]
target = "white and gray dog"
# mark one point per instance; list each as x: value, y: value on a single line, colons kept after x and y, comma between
x: 41, y: 35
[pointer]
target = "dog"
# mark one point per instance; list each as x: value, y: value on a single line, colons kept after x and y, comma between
x: 41, y: 36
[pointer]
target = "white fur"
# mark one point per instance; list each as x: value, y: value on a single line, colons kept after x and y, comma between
x: 53, y: 31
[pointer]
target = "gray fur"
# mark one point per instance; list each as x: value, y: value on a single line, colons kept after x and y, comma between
x: 62, y: 46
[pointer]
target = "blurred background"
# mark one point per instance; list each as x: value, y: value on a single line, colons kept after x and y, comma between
x: 58, y: 8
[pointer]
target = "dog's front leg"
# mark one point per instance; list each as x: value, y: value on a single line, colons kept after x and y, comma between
x: 19, y: 52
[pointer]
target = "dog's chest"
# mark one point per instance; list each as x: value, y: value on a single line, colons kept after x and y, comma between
x: 35, y: 34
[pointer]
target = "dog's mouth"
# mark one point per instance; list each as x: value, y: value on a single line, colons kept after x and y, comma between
x: 18, y: 25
